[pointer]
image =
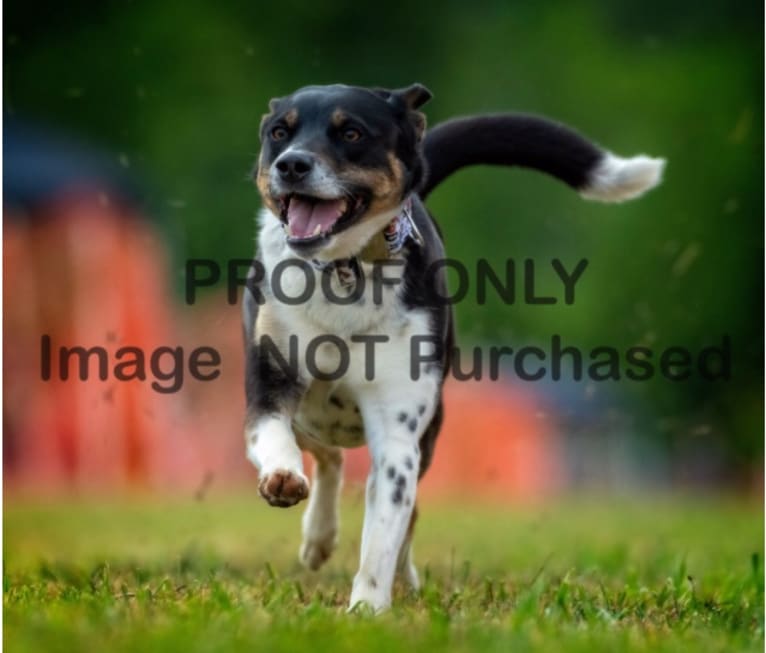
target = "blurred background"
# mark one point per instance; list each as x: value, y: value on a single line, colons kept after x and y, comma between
x: 130, y: 129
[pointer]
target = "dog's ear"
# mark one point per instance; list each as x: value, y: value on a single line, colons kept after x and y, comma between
x: 413, y: 97
x: 273, y: 104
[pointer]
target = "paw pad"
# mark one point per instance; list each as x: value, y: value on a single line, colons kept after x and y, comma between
x: 283, y: 488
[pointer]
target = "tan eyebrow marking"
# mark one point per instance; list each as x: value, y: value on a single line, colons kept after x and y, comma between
x: 291, y: 118
x: 338, y: 117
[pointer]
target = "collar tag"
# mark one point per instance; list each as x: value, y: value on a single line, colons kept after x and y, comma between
x: 347, y: 270
x: 401, y: 228
x: 396, y: 234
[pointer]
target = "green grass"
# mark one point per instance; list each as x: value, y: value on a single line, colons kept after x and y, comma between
x: 222, y: 575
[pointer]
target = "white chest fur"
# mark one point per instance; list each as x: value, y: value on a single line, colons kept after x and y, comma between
x: 334, y: 338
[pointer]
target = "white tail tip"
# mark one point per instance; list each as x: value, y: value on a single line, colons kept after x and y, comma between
x: 615, y: 179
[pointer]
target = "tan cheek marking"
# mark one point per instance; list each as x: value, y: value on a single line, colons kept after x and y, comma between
x: 262, y: 182
x: 387, y: 184
x: 395, y: 187
x: 397, y: 168
x: 380, y: 181
x: 378, y: 206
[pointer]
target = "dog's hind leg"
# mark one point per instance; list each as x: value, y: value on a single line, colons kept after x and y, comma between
x: 405, y: 566
x: 320, y: 519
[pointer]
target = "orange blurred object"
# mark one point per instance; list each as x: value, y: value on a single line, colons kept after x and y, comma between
x: 86, y: 272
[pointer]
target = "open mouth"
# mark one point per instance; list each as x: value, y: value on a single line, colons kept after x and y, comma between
x: 310, y: 219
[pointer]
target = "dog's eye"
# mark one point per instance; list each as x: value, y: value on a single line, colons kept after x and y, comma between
x: 278, y: 133
x: 351, y: 134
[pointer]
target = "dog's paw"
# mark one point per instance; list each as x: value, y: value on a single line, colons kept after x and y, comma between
x: 368, y: 606
x: 315, y: 551
x: 364, y: 608
x: 368, y: 596
x: 283, y: 488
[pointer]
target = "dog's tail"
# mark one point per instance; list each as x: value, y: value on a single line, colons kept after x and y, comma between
x: 532, y: 142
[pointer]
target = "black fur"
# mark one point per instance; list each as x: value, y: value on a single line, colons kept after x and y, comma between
x: 269, y: 387
x: 508, y: 140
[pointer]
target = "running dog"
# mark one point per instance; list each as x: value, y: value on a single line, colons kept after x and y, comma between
x: 343, y: 173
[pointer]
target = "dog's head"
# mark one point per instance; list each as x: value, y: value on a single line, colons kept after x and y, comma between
x: 333, y: 158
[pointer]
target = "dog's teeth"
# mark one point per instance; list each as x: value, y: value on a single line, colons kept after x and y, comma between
x: 317, y: 230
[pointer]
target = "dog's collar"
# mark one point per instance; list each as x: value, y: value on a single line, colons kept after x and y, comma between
x: 398, y: 233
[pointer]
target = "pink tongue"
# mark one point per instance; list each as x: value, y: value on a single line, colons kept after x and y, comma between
x: 304, y: 216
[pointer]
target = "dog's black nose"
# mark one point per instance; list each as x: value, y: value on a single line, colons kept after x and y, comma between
x: 294, y: 166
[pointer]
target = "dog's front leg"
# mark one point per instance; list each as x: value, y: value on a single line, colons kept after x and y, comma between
x: 272, y: 448
x: 390, y: 498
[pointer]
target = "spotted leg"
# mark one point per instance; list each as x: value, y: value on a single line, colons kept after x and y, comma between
x: 393, y: 427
